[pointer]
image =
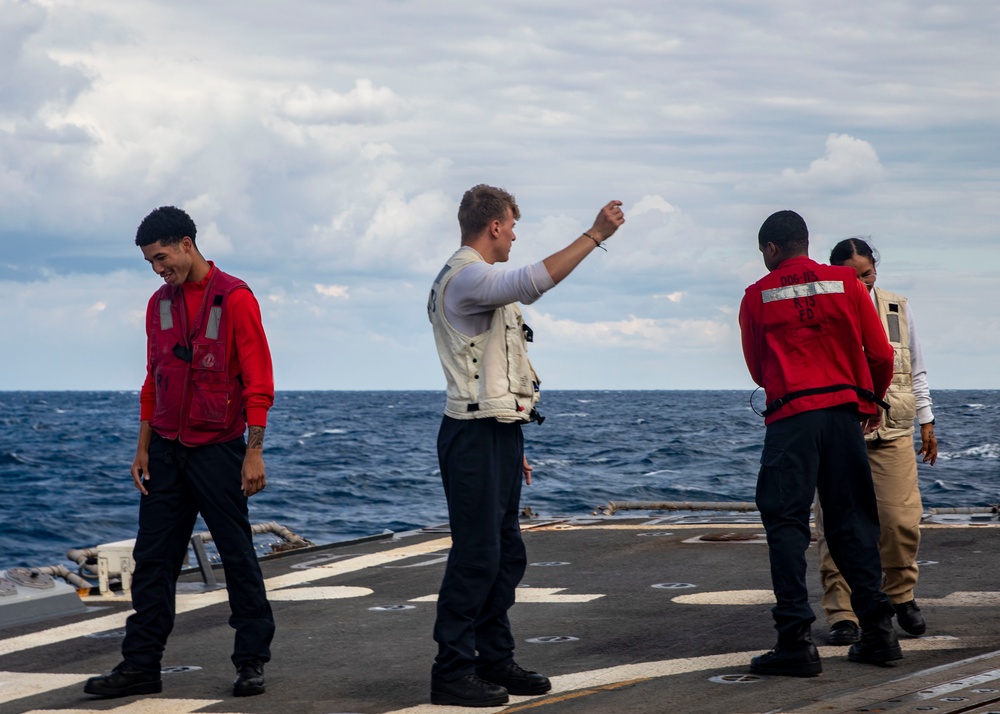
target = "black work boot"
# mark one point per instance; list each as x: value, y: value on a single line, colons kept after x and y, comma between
x: 795, y: 655
x: 517, y: 680
x: 124, y: 681
x: 468, y: 691
x: 909, y: 619
x: 249, y: 679
x: 844, y: 632
x: 878, y: 643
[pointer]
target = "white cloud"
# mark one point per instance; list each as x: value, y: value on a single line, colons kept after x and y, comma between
x: 650, y: 203
x: 675, y: 296
x: 849, y: 164
x: 365, y: 103
x: 308, y: 163
x: 337, y: 291
x: 660, y: 335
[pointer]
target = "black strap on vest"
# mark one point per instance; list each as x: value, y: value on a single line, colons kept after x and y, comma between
x: 182, y: 352
x: 782, y: 401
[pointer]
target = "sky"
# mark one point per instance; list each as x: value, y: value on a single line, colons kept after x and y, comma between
x: 322, y: 148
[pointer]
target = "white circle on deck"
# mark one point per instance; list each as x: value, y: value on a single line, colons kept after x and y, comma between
x: 333, y: 592
x: 673, y: 586
x: 179, y: 669
x: 549, y: 564
x: 652, y: 535
x: 728, y: 597
x: 548, y: 639
x: 392, y: 608
x: 938, y: 637
x: 735, y: 679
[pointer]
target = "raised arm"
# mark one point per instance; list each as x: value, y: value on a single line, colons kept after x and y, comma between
x: 563, y: 262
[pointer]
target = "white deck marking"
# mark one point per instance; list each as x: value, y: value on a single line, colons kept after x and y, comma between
x: 17, y: 685
x: 533, y: 595
x: 336, y: 592
x: 662, y: 668
x: 154, y: 705
x: 196, y: 601
x: 728, y: 597
x: 965, y: 599
x: 339, y: 567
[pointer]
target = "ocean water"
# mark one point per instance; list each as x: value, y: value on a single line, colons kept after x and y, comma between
x: 348, y: 464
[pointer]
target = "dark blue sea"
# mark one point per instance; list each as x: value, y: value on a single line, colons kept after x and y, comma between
x: 348, y: 464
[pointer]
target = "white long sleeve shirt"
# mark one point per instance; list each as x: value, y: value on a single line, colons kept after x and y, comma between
x: 480, y: 288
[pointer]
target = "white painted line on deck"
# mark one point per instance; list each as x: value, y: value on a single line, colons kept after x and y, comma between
x: 663, y: 668
x: 729, y: 597
x: 17, y: 685
x: 965, y: 599
x: 534, y: 595
x: 335, y: 592
x: 156, y: 705
x: 340, y: 567
x: 196, y: 601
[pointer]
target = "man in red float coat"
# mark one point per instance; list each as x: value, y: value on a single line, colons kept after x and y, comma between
x: 813, y: 341
x: 208, y: 375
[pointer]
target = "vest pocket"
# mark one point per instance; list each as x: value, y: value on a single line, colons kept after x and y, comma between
x: 209, y: 401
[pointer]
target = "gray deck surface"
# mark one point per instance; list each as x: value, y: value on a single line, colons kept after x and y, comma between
x: 636, y: 648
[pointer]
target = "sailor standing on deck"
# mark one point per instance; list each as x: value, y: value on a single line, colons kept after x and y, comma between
x: 894, y: 466
x: 208, y: 374
x: 492, y: 390
x: 813, y: 341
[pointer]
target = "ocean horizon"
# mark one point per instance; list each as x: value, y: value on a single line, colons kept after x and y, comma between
x: 348, y: 463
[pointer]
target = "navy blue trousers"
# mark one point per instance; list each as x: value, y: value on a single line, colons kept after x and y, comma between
x: 822, y: 450
x: 481, y: 469
x: 184, y: 481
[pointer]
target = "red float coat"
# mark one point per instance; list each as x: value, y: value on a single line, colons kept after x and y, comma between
x: 811, y: 326
x: 208, y: 369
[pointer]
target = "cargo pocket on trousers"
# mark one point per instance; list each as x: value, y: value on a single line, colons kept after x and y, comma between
x: 769, y: 480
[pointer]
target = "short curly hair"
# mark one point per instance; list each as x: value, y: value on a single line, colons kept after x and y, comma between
x: 786, y: 229
x: 166, y: 225
x: 481, y: 205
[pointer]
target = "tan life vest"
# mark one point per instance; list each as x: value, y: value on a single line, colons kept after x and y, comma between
x: 488, y: 375
x: 903, y: 405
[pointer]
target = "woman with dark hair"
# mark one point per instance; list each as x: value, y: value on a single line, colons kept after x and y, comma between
x: 894, y: 466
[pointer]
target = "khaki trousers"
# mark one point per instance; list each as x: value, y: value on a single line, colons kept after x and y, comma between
x: 894, y: 475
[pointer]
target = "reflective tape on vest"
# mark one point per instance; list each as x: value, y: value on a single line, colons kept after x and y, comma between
x: 166, y: 319
x: 790, y: 292
x: 214, y: 319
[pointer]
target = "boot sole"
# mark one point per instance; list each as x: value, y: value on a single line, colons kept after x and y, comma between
x: 522, y: 691
x: 109, y: 692
x: 803, y: 671
x: 249, y: 691
x: 878, y: 656
x: 442, y: 698
x: 526, y: 691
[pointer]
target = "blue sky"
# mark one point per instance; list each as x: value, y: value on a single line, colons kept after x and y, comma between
x: 322, y: 149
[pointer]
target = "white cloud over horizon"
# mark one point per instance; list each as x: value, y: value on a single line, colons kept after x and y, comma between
x: 324, y: 164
